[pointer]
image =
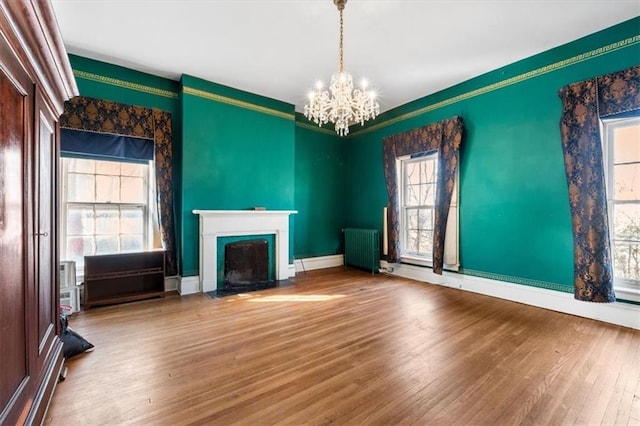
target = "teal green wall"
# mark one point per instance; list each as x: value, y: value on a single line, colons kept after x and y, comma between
x: 514, y: 214
x: 238, y: 151
x: 320, y: 174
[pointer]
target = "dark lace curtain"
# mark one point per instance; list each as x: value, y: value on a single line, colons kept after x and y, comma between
x: 444, y: 137
x: 584, y: 104
x: 97, y: 115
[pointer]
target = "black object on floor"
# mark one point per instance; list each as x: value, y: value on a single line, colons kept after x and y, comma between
x: 72, y: 343
x: 232, y: 291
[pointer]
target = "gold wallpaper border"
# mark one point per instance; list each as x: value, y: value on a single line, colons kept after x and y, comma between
x: 125, y: 84
x: 238, y: 103
x: 504, y: 83
x: 316, y: 128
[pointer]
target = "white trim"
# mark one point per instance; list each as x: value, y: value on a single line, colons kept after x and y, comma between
x: 624, y: 288
x: 319, y: 262
x: 626, y: 292
x: 226, y: 223
x: 624, y: 314
x: 292, y: 269
x: 171, y: 283
x: 189, y: 285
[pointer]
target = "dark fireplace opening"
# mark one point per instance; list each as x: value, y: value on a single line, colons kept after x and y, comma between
x: 246, y: 264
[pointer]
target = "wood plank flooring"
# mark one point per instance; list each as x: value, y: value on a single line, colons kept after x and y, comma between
x: 344, y: 347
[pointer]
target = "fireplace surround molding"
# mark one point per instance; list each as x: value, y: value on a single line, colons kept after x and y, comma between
x: 230, y: 223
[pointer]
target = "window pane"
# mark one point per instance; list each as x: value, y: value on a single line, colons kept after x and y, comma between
x: 626, y: 221
x: 131, y: 242
x: 107, y: 244
x: 425, y: 219
x: 133, y: 169
x: 81, y: 188
x: 78, y: 165
x: 132, y: 221
x: 626, y: 147
x: 413, y: 173
x: 108, y: 168
x: 627, y: 181
x: 132, y: 190
x: 411, y: 244
x: 626, y: 260
x: 413, y: 195
x: 107, y: 220
x: 80, y: 220
x: 412, y: 219
x: 425, y: 242
x: 78, y: 247
x: 107, y: 189
x: 428, y: 194
x: 428, y: 171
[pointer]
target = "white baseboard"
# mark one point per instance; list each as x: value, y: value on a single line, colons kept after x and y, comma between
x: 624, y: 314
x: 292, y: 270
x: 189, y: 285
x: 171, y: 283
x: 320, y: 262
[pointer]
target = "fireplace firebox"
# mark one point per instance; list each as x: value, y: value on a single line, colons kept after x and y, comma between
x: 246, y: 263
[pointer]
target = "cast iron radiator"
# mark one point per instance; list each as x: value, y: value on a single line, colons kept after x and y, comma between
x: 361, y: 249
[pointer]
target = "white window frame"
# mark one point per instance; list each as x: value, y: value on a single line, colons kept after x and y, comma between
x: 624, y: 288
x: 451, y: 245
x: 64, y: 206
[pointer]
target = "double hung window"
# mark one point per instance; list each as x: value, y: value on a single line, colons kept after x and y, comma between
x: 621, y: 146
x: 418, y: 179
x: 105, y: 207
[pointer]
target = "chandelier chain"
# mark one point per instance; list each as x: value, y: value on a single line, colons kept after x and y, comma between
x: 341, y: 42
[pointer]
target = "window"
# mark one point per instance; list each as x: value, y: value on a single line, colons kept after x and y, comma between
x: 105, y: 208
x: 418, y: 178
x: 621, y: 145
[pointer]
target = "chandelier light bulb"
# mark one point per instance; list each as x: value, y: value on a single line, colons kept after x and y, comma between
x: 341, y: 104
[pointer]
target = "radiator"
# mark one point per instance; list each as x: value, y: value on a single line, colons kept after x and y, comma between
x: 361, y: 249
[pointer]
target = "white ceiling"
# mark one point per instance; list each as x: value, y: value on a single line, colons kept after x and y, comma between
x: 279, y: 48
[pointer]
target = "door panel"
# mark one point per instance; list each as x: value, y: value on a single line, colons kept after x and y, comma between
x: 45, y: 231
x: 14, y: 113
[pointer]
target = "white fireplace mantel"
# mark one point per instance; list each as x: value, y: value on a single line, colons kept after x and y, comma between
x: 227, y: 223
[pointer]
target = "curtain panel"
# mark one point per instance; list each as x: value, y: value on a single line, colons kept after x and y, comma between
x: 583, y: 105
x: 445, y: 137
x: 101, y: 116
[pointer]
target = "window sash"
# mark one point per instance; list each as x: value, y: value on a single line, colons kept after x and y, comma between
x: 626, y: 287
x: 417, y: 233
x: 419, y: 254
x: 98, y: 237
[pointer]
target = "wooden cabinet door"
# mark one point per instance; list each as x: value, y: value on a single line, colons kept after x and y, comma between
x: 46, y: 275
x: 16, y: 95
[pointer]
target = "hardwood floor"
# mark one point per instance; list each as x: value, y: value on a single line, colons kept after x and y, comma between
x: 342, y: 346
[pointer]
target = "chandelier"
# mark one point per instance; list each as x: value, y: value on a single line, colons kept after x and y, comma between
x: 342, y: 104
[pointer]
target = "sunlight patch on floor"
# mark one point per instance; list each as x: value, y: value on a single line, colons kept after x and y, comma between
x: 298, y: 298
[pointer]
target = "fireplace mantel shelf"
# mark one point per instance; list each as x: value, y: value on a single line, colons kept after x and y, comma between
x: 221, y: 223
x: 242, y: 212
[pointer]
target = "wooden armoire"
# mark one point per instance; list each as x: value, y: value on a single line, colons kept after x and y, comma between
x: 35, y: 80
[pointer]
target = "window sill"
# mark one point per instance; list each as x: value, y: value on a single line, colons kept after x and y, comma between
x: 421, y: 261
x: 627, y: 292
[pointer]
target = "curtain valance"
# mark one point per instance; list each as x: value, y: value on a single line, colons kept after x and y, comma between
x: 102, y: 145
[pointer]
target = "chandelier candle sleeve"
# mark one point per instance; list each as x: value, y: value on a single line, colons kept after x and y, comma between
x: 341, y: 105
